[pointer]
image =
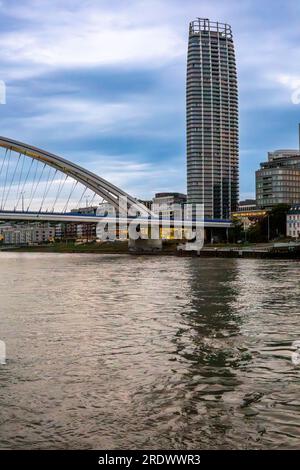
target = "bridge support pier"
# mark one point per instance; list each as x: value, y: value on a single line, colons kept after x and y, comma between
x: 144, y: 245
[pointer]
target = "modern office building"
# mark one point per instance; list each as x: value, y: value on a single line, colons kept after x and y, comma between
x: 212, y: 119
x: 278, y: 179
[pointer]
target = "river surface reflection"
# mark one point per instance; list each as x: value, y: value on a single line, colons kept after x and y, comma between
x: 109, y: 351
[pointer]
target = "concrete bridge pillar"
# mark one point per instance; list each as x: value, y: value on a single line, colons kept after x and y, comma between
x: 144, y: 245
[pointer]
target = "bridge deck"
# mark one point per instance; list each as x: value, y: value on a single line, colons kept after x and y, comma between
x: 91, y: 218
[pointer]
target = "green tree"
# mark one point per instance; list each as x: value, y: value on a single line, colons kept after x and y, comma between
x: 255, y: 233
x: 235, y: 232
x: 277, y: 220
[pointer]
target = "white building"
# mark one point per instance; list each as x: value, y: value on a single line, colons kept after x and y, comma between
x: 59, y: 231
x: 165, y: 204
x: 43, y: 233
x: 27, y: 234
x: 293, y: 222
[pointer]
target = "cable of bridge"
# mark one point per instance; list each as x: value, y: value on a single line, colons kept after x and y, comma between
x: 12, y: 180
x: 36, y: 186
x: 47, y: 188
x: 5, y: 181
x: 71, y: 192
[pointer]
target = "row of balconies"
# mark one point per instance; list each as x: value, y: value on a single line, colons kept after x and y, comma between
x: 208, y: 102
x: 194, y: 136
x: 195, y: 125
x: 213, y: 147
x: 197, y: 86
x: 216, y: 140
x: 233, y: 130
x: 223, y: 134
x: 207, y: 174
x: 217, y: 163
x: 216, y: 80
x: 209, y: 86
x: 212, y: 107
x: 216, y: 104
x: 194, y: 94
x: 210, y: 151
x: 209, y: 154
x: 215, y: 116
x: 222, y: 125
x: 228, y: 67
x: 195, y: 140
x: 220, y: 143
x: 195, y: 119
x: 216, y: 101
x: 211, y: 160
x: 207, y: 83
x: 227, y: 120
x: 225, y: 92
x: 210, y: 63
x: 195, y: 55
x: 215, y: 119
x: 212, y: 73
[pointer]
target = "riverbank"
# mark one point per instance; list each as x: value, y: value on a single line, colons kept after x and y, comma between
x: 257, y: 251
x: 105, y: 248
x: 249, y: 253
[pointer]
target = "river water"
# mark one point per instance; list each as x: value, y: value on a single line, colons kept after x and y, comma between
x: 115, y: 351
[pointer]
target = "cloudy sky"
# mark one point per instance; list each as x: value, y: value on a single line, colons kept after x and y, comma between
x: 103, y: 82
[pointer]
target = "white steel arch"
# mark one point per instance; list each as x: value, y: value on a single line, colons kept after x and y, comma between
x: 100, y: 186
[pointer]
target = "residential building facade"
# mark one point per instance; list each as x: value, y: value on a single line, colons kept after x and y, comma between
x: 212, y: 119
x: 27, y: 234
x: 293, y: 222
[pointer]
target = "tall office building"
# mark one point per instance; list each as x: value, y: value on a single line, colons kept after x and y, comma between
x: 212, y: 119
x: 278, y: 179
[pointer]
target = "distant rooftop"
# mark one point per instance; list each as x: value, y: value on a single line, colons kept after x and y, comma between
x: 181, y: 195
x: 206, y: 25
x: 295, y: 209
x: 247, y: 202
x: 283, y: 153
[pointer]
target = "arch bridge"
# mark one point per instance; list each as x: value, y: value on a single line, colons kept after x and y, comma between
x: 34, y: 181
x: 36, y: 185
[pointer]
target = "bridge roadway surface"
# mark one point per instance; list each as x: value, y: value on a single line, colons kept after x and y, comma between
x: 74, y: 217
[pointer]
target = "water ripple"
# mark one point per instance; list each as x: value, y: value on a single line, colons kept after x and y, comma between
x: 108, y: 351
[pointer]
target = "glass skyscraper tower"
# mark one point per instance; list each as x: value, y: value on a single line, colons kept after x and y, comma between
x: 212, y: 119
